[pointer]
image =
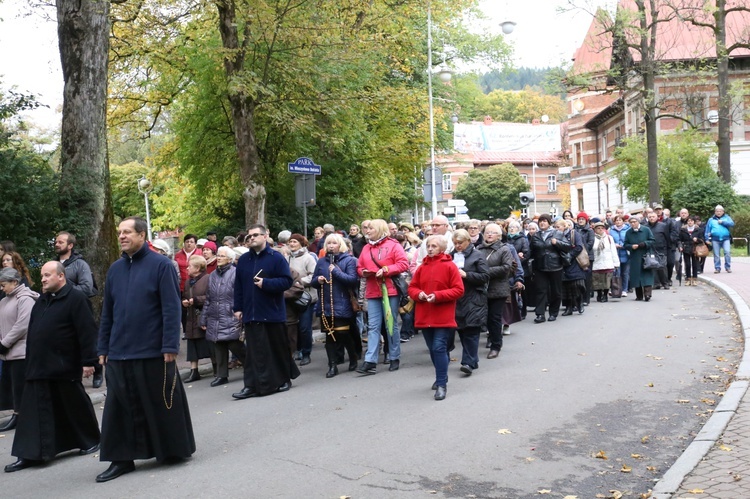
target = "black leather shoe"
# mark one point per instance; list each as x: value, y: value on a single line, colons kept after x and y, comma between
x: 285, y: 387
x: 568, y: 311
x: 539, y: 319
x: 115, y: 470
x: 10, y: 424
x: 305, y: 360
x: 245, y: 393
x: 466, y: 369
x: 394, y: 365
x: 493, y: 354
x: 552, y: 318
x: 332, y: 371
x: 440, y: 393
x: 22, y: 464
x: 98, y: 379
x: 90, y: 450
x: 352, y: 365
x: 219, y: 381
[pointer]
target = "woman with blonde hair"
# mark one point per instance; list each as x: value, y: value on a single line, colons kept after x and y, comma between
x: 381, y: 260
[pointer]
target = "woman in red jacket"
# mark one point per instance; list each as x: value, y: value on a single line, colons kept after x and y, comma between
x: 435, y: 289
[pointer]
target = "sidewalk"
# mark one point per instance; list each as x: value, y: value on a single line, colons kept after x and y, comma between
x: 716, y: 464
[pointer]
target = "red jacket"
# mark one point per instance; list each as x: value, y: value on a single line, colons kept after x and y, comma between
x: 389, y: 253
x: 438, y: 275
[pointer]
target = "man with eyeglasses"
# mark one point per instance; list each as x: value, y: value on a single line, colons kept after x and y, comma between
x: 261, y: 278
x: 439, y: 227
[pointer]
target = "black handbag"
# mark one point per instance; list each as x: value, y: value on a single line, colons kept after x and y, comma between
x: 304, y: 301
x: 651, y: 261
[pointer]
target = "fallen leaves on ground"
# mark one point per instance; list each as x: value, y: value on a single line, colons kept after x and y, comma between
x: 504, y: 431
x: 725, y: 448
x: 544, y: 491
x: 601, y: 455
x: 626, y: 469
x: 695, y: 491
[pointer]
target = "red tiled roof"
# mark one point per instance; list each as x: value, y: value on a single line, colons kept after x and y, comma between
x: 496, y: 157
x: 595, y: 53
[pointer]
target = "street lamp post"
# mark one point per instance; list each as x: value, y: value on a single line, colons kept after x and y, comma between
x: 144, y: 187
x: 432, y: 115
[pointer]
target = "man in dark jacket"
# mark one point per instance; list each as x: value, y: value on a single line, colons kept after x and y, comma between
x: 673, y: 229
x: 661, y: 246
x: 546, y: 245
x: 500, y: 262
x: 56, y: 414
x: 77, y: 274
x: 146, y: 414
x: 261, y: 279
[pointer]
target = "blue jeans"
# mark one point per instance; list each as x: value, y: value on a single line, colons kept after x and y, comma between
x: 625, y: 275
x: 375, y: 321
x: 305, y: 338
x: 726, y: 244
x: 437, y: 343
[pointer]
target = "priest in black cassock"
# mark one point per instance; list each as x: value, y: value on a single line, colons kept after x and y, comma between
x: 146, y: 413
x: 56, y: 414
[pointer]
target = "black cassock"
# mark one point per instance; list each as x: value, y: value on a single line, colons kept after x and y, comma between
x: 55, y: 416
x: 143, y: 416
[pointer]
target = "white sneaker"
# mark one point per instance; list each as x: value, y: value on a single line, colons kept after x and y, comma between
x: 624, y: 294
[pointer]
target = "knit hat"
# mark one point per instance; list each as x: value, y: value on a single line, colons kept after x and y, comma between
x: 582, y: 214
x: 210, y: 245
x: 300, y: 239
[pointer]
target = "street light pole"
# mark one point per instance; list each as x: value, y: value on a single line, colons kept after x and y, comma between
x: 432, y: 115
x: 144, y: 187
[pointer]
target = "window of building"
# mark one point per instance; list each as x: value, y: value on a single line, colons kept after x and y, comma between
x: 578, y: 154
x: 580, y: 199
x: 604, y: 148
x: 552, y: 183
x: 618, y: 137
x: 447, y: 182
x: 525, y: 177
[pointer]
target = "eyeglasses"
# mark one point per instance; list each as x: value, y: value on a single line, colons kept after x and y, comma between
x: 473, y: 228
x: 492, y: 232
x: 438, y: 225
x: 253, y: 236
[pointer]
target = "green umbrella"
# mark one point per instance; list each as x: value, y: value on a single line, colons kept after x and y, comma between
x: 387, y: 313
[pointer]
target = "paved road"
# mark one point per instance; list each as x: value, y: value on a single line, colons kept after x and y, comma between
x: 629, y: 381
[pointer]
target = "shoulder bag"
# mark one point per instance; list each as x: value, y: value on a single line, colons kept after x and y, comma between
x: 402, y: 289
x: 701, y: 250
x: 583, y: 257
x: 651, y: 261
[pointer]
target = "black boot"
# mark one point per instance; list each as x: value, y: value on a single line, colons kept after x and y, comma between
x: 605, y: 296
x: 568, y: 310
x: 647, y: 293
x: 332, y: 370
x: 580, y: 306
x: 193, y: 376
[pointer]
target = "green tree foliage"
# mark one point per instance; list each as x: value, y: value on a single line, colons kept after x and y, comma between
x: 341, y: 82
x: 513, y: 79
x: 681, y: 157
x: 492, y: 192
x: 700, y: 195
x: 28, y: 211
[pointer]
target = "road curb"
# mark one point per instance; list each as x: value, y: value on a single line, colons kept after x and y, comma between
x: 668, y: 485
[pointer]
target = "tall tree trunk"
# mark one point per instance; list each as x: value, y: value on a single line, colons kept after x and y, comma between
x: 722, y: 63
x: 648, y: 72
x: 243, y: 116
x: 85, y: 197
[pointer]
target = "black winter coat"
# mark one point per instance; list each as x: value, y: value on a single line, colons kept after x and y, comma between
x: 546, y: 255
x: 587, y: 236
x: 686, y: 239
x: 62, y: 336
x: 471, y: 308
x: 662, y: 238
x: 500, y: 262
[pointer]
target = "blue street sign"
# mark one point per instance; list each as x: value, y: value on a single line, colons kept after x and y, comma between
x: 305, y: 166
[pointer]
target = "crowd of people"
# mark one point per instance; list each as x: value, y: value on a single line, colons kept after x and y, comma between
x: 372, y: 289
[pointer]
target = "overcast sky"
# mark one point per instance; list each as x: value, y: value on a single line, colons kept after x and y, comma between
x: 29, y: 59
